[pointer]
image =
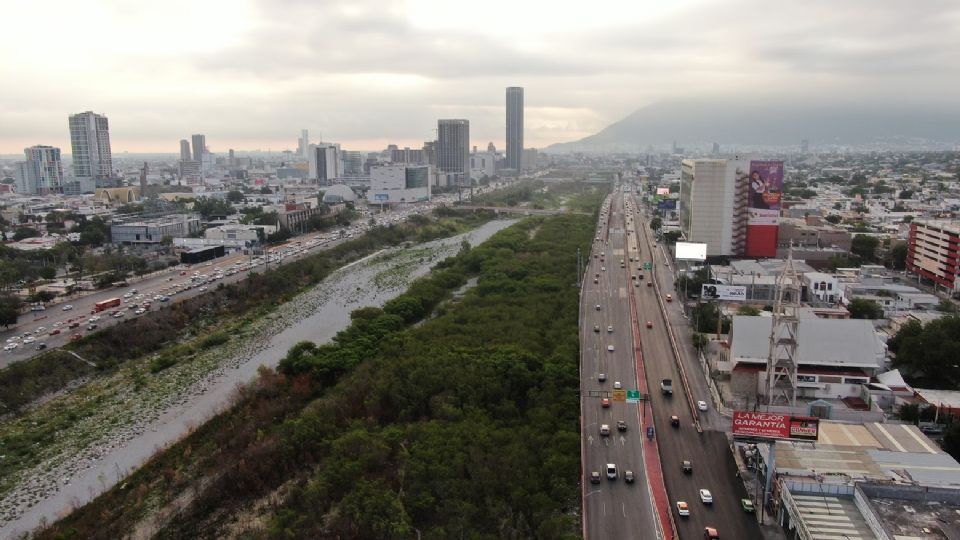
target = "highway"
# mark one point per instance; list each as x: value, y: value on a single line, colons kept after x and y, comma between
x: 612, y: 508
x: 713, y: 466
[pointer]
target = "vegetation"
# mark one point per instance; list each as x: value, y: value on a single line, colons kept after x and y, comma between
x: 865, y: 247
x: 394, y: 431
x: 862, y: 308
x: 927, y: 354
x: 705, y: 317
x: 577, y: 195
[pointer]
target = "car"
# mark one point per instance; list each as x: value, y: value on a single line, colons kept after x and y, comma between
x: 41, y: 346
x: 636, y: 284
x: 649, y: 324
x: 95, y: 318
x: 649, y: 284
x: 128, y: 295
x: 605, y: 430
x: 595, y: 280
x: 610, y: 348
x: 686, y: 467
x: 683, y: 510
x: 675, y: 421
x: 709, y: 533
x: 747, y: 505
x: 40, y: 330
x: 617, y: 385
x: 140, y: 311
x: 621, y: 425
x: 602, y: 377
x: 10, y: 346
x: 596, y: 328
x: 58, y: 324
x: 91, y: 327
x: 603, y: 268
x: 669, y: 298
x: 605, y: 403
x: 54, y: 332
x: 29, y: 340
x: 702, y: 405
x: 706, y: 497
x: 202, y: 289
x: 598, y: 307
x: 628, y: 476
x: 595, y: 477
x: 612, y: 471
x: 74, y: 325
x: 118, y: 315
x: 639, y: 276
x: 609, y: 329
x: 67, y: 307
x: 76, y: 337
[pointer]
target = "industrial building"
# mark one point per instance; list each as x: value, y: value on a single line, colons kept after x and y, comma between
x: 397, y: 184
x: 153, y: 231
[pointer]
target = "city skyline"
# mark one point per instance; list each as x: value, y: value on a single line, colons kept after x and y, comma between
x: 240, y: 74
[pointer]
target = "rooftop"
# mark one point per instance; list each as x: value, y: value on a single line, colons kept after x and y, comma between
x: 824, y: 342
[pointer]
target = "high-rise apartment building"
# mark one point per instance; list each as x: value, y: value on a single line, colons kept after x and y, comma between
x: 41, y: 173
x: 199, y: 147
x: 324, y: 162
x: 453, y: 148
x: 90, y: 146
x: 184, y: 150
x: 303, y: 144
x: 353, y: 162
x: 514, y: 127
x: 933, y: 252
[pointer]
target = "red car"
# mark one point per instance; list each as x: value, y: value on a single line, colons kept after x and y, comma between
x: 605, y: 403
x: 76, y: 337
x: 54, y: 332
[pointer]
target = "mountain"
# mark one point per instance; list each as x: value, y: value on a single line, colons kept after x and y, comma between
x: 701, y: 123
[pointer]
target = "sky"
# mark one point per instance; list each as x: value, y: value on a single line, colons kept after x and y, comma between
x: 250, y: 74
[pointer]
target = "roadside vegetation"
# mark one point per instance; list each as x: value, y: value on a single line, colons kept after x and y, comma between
x: 578, y: 196
x: 433, y: 417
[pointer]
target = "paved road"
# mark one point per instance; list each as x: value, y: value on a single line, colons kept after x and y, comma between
x: 713, y: 464
x: 613, y: 509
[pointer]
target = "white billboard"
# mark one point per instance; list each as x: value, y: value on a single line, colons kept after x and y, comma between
x: 736, y: 293
x: 691, y: 251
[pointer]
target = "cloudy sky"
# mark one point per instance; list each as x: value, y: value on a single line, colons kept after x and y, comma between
x: 251, y: 73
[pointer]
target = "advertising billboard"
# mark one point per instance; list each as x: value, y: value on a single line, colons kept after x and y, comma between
x: 775, y: 426
x: 663, y: 191
x: 691, y: 251
x: 667, y: 204
x: 735, y: 293
x: 766, y: 192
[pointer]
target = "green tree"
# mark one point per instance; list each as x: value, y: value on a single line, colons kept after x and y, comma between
x: 833, y: 218
x: 656, y: 223
x: 671, y: 237
x: 25, y: 232
x: 746, y: 309
x: 898, y: 256
x: 927, y: 354
x: 700, y: 341
x: 235, y: 196
x: 905, y: 194
x: 865, y: 247
x: 9, y: 309
x: 265, y: 190
x: 862, y: 308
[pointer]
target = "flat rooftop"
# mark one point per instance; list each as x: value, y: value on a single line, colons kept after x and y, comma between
x: 916, y: 520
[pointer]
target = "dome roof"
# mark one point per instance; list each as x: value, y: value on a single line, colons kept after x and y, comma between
x: 339, y: 193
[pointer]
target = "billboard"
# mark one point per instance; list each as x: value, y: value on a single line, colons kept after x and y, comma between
x: 691, y: 251
x: 766, y: 192
x: 775, y: 426
x: 736, y: 293
x: 667, y: 204
x: 663, y: 191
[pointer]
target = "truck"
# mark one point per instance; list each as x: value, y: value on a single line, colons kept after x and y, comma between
x: 666, y: 386
x: 106, y: 304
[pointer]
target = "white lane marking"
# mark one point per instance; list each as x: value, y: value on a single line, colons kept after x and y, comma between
x: 623, y: 508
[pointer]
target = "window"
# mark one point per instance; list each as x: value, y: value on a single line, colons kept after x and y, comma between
x: 807, y: 378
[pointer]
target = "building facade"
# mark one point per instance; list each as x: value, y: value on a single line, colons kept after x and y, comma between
x: 707, y: 189
x: 185, y: 150
x: 41, y: 173
x: 90, y: 146
x: 325, y: 162
x: 199, y: 147
x: 932, y: 252
x: 483, y: 164
x: 153, y: 231
x: 399, y: 183
x: 453, y: 148
x: 514, y: 127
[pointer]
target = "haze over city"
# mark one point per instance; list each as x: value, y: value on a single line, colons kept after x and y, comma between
x: 250, y: 74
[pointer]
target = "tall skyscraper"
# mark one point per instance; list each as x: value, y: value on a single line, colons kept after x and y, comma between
x: 324, y: 162
x: 303, y: 144
x: 199, y: 147
x: 514, y: 127
x: 41, y: 173
x: 90, y: 146
x: 453, y: 148
x: 184, y: 150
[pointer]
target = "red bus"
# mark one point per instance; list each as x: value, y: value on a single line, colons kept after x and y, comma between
x: 106, y: 304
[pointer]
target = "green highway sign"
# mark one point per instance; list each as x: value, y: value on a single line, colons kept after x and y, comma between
x: 647, y: 266
x: 633, y: 394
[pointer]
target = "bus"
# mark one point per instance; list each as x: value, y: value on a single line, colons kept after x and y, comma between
x: 106, y: 304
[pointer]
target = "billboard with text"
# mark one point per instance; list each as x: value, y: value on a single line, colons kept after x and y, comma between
x: 775, y: 426
x: 733, y: 293
x: 766, y: 192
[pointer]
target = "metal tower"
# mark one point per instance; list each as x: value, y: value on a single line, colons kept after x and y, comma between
x: 782, y: 359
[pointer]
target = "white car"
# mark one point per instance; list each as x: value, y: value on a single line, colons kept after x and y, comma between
x: 706, y: 497
x: 41, y: 329
x: 616, y: 385
x: 10, y: 346
x: 702, y: 405
x: 682, y: 509
x: 67, y: 307
x: 58, y: 324
x: 610, y: 348
x: 30, y: 339
x: 610, y: 329
x: 95, y: 318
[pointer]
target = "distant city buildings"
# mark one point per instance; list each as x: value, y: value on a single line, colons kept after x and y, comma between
x: 41, y: 173
x: 514, y: 127
x: 90, y: 147
x: 453, y: 149
x: 303, y: 144
x: 324, y: 162
x: 199, y: 147
x: 185, y: 150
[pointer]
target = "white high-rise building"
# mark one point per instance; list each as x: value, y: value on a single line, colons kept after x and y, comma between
x: 303, y: 144
x: 41, y: 173
x: 324, y: 162
x: 708, y: 188
x: 90, y: 146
